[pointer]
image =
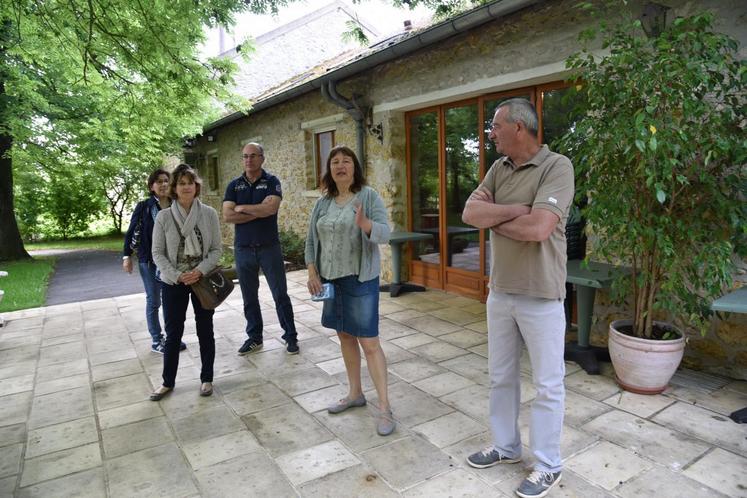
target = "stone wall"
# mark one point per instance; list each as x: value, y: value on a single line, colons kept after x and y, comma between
x: 524, y: 49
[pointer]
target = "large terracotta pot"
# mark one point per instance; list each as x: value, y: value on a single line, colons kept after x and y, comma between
x: 644, y: 366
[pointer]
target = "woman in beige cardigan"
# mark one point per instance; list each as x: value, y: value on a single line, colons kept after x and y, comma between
x: 186, y: 245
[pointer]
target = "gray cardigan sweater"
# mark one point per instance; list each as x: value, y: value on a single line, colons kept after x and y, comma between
x: 166, y: 240
x: 370, y: 258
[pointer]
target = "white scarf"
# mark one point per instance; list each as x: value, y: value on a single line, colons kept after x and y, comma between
x: 187, y: 224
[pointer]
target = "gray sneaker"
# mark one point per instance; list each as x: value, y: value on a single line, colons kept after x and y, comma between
x: 489, y: 457
x: 538, y: 484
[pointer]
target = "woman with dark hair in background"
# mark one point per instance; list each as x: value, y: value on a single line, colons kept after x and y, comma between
x: 186, y: 246
x: 141, y: 230
x: 342, y: 248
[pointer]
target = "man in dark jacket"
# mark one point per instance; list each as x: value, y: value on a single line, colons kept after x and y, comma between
x: 251, y: 204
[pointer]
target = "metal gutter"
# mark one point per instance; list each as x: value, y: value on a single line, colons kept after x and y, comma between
x: 439, y: 32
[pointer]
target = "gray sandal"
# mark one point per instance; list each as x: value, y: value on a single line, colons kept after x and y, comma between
x: 385, y: 423
x: 346, y: 403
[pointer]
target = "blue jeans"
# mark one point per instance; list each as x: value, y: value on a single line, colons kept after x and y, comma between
x: 270, y: 259
x: 175, y: 302
x: 152, y: 299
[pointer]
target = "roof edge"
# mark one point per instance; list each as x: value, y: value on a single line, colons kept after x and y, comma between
x: 429, y: 36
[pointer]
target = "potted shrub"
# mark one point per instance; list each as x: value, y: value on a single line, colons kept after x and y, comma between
x: 659, y: 150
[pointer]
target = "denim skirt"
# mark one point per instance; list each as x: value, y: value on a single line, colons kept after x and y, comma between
x: 355, y: 307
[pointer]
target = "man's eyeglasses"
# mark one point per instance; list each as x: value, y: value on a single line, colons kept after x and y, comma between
x: 251, y: 156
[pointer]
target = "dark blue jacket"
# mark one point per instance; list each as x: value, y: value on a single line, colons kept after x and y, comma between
x: 260, y: 231
x: 142, y: 212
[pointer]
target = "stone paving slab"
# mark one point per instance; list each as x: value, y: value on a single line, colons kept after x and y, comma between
x: 663, y: 483
x: 317, y: 461
x: 407, y: 461
x: 86, y: 484
x: 60, y: 464
x: 358, y: 481
x: 662, y: 445
x: 159, y: 471
x: 208, y: 452
x: 721, y: 470
x: 75, y: 418
x: 253, y: 474
x: 607, y: 465
x: 456, y: 483
x: 61, y: 436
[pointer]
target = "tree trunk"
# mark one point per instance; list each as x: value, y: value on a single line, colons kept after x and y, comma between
x: 11, y: 245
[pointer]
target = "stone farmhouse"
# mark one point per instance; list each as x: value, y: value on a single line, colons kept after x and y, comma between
x: 416, y: 107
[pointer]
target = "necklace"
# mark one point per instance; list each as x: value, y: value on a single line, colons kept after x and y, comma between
x: 342, y: 199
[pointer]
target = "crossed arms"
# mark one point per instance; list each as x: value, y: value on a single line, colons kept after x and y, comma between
x: 243, y: 213
x: 515, y: 221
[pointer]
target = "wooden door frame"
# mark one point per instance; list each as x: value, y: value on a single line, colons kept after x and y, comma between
x: 419, y: 268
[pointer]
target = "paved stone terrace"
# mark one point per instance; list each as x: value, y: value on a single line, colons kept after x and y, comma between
x: 75, y: 419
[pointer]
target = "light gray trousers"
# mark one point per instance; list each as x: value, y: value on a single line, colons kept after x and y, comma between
x: 540, y: 323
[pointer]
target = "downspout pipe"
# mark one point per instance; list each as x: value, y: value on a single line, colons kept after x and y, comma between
x: 329, y: 91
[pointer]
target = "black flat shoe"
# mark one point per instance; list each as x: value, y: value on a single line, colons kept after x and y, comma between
x: 159, y: 393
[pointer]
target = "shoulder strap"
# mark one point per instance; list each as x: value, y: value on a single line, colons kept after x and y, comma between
x: 176, y: 224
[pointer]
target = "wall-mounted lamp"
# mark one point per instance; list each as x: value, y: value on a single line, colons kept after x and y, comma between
x: 654, y: 19
x: 211, y: 138
x: 377, y: 131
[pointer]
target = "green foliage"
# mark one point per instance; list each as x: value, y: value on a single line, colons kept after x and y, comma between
x: 293, y: 246
x: 442, y: 9
x: 107, y: 85
x: 227, y: 257
x: 354, y: 33
x: 26, y: 283
x: 72, y: 201
x: 660, y: 153
x: 55, y: 199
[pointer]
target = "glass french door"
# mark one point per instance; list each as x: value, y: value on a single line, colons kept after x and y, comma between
x: 448, y: 154
x: 425, y: 196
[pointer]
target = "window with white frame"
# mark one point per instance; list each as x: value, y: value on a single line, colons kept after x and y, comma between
x: 213, y: 173
x: 324, y: 141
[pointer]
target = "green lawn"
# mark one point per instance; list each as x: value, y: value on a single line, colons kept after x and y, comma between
x: 26, y: 283
x: 104, y: 242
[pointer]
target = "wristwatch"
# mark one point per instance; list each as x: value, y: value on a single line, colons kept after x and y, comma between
x: 125, y: 257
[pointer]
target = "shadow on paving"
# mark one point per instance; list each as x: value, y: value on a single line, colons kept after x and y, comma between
x: 88, y: 274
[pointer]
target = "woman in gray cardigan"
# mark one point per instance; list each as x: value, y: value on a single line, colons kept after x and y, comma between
x: 347, y: 225
x: 186, y: 245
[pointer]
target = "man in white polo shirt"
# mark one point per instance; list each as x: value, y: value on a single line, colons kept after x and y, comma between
x: 524, y: 200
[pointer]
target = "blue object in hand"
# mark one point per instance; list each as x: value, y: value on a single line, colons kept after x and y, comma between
x: 328, y: 292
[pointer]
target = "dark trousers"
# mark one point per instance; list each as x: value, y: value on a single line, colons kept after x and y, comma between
x: 270, y: 259
x: 175, y: 301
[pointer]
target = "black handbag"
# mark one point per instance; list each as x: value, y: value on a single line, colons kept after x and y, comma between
x: 213, y: 288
